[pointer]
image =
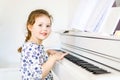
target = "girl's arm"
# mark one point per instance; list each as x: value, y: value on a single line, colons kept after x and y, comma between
x: 46, y: 67
x: 50, y: 51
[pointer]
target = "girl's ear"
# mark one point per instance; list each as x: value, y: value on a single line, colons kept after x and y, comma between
x: 29, y: 27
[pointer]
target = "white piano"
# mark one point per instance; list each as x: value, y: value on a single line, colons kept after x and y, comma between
x: 94, y: 53
x: 91, y: 57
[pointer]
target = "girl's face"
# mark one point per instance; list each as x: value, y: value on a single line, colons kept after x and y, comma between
x: 41, y: 29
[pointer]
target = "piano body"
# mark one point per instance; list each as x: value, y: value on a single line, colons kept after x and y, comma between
x: 90, y: 57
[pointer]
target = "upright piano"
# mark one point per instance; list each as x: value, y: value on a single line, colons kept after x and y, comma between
x: 91, y: 56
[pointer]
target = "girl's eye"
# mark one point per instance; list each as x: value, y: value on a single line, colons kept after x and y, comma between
x: 40, y: 25
x: 48, y: 26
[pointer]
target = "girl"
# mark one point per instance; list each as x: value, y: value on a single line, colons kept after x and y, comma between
x: 35, y: 63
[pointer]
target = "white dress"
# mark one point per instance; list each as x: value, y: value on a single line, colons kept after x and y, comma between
x: 32, y: 57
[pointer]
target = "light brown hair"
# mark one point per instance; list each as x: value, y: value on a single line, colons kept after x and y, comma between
x: 31, y: 20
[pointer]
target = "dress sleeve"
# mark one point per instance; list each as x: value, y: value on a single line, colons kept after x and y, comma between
x: 32, y: 62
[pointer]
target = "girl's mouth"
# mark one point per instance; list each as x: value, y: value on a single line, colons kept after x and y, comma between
x: 44, y: 34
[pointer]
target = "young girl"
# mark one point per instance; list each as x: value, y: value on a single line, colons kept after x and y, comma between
x: 35, y: 63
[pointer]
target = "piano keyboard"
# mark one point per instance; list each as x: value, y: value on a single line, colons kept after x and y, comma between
x: 88, y: 66
x: 84, y: 64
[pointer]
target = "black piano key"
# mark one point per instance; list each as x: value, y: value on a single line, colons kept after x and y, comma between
x: 93, y: 69
x: 100, y: 72
x: 82, y: 64
x: 86, y: 65
x: 79, y: 62
x: 90, y: 66
x: 69, y: 56
x: 59, y: 50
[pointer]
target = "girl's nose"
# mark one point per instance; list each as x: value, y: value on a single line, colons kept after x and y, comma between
x: 44, y: 28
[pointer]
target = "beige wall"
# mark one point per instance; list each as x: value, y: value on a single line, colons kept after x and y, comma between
x: 13, y: 16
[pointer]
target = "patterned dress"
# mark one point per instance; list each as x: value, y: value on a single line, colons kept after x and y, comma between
x: 32, y: 57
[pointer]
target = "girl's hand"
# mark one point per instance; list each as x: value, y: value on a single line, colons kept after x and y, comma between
x: 57, y: 55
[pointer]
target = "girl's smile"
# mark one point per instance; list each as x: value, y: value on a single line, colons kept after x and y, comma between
x: 44, y: 34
